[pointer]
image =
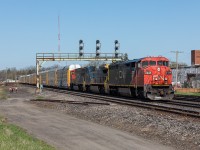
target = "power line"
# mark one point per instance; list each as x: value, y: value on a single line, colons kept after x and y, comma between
x: 177, y: 52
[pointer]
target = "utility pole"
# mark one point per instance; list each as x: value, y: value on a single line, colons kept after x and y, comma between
x: 177, y: 52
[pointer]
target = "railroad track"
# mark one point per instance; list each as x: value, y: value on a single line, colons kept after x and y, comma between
x: 181, y: 103
x: 175, y: 106
x: 187, y: 98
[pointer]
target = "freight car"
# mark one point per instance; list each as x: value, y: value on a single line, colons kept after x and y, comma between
x: 148, y: 77
x: 60, y: 78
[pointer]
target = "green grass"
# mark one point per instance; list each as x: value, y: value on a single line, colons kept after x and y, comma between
x: 3, y: 93
x: 189, y: 94
x: 13, y: 137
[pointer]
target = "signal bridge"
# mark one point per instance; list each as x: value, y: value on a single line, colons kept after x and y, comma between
x: 43, y: 57
x: 77, y: 57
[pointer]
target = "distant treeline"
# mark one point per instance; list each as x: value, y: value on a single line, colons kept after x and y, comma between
x: 13, y: 73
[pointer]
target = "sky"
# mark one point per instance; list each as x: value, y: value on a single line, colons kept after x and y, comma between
x: 143, y: 28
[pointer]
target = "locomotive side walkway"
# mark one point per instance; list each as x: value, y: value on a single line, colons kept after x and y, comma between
x: 68, y: 133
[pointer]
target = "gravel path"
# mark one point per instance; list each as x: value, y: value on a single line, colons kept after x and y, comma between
x: 177, y: 131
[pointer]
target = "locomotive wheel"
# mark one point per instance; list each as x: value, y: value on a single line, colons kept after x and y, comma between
x: 133, y: 92
x: 71, y: 87
x: 88, y: 88
x: 80, y: 88
x: 114, y: 91
x: 102, y: 90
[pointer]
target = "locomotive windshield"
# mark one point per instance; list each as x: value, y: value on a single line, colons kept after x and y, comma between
x: 153, y: 63
x: 163, y: 63
x: 145, y: 63
x: 148, y: 63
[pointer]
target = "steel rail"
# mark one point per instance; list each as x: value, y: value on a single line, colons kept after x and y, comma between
x: 180, y: 103
x: 141, y: 104
x: 188, y: 98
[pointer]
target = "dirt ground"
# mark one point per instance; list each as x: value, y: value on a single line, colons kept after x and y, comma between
x: 178, y: 131
x: 67, y: 132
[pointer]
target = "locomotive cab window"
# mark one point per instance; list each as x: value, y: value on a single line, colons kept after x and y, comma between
x: 166, y: 63
x: 145, y: 64
x: 152, y: 63
x: 160, y: 63
x: 163, y: 63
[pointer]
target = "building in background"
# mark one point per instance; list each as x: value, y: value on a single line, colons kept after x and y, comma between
x: 189, y: 76
x: 195, y: 57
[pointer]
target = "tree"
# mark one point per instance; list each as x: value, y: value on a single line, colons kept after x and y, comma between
x: 125, y: 56
x: 95, y: 63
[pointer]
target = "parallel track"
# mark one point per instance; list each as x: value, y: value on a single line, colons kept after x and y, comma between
x: 181, y: 103
x: 188, y: 98
x: 149, y: 105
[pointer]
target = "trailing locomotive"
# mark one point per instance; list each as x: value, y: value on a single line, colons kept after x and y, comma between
x: 148, y: 77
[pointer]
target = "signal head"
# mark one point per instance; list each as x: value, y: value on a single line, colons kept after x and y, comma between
x: 80, y: 41
x: 97, y: 41
x: 80, y: 47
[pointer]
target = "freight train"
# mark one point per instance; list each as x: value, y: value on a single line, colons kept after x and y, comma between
x: 148, y: 77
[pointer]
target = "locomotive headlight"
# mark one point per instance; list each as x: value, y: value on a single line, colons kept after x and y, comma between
x: 168, y: 72
x: 148, y: 72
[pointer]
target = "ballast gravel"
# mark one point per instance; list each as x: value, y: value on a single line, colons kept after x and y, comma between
x: 180, y: 132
